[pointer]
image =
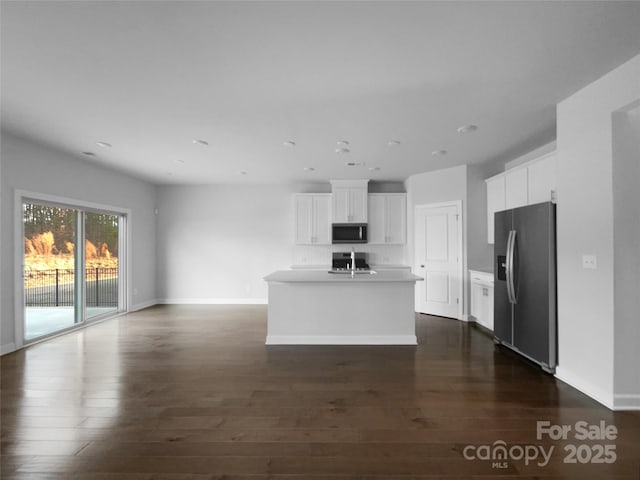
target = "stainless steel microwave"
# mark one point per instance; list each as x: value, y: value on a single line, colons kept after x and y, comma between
x: 349, y: 233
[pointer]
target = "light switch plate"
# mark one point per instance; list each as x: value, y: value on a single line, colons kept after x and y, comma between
x: 589, y: 261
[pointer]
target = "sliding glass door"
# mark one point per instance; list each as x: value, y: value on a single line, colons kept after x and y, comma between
x: 101, y: 263
x: 71, y: 266
x: 50, y: 266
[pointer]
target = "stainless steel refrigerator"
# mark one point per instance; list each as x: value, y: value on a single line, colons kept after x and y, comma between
x: 525, y: 282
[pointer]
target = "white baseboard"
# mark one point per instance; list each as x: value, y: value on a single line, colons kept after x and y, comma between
x: 623, y: 401
x: 7, y: 348
x: 466, y: 318
x: 341, y: 340
x: 213, y: 301
x: 142, y: 305
x: 585, y: 387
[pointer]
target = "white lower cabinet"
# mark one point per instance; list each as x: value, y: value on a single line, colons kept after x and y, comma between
x: 481, y: 298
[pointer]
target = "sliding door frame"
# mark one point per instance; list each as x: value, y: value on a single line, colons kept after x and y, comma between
x: 124, y: 267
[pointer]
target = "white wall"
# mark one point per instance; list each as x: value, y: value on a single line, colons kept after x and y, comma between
x: 35, y: 168
x: 444, y: 185
x: 626, y: 224
x: 479, y: 251
x: 433, y: 187
x: 532, y: 155
x: 217, y: 242
x: 585, y: 226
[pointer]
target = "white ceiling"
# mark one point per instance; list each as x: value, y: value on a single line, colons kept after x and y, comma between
x: 149, y: 77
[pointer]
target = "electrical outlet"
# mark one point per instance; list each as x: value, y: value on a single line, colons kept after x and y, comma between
x: 589, y: 261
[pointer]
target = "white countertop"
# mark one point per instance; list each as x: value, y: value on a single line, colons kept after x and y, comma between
x: 373, y: 267
x: 323, y: 276
x: 482, y: 274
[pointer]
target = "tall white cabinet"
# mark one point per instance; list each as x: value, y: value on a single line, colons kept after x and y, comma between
x: 387, y: 218
x: 312, y: 218
x: 527, y: 184
x: 349, y: 201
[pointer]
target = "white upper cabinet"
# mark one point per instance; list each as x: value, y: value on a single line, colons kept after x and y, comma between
x: 377, y: 228
x: 312, y: 219
x: 542, y: 180
x: 526, y: 184
x: 396, y: 218
x: 515, y: 188
x: 387, y: 218
x: 349, y: 201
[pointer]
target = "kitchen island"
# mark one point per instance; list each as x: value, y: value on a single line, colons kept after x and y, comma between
x: 315, y: 307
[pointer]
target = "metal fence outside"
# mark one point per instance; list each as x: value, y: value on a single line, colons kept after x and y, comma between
x: 55, y: 287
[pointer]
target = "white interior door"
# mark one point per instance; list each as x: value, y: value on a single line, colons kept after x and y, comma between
x: 438, y: 258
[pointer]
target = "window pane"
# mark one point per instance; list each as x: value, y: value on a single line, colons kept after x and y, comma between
x: 49, y: 268
x: 101, y: 262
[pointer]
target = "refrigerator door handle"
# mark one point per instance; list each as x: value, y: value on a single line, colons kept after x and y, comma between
x: 511, y: 290
x: 506, y: 267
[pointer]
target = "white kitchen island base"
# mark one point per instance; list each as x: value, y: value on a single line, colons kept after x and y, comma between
x: 319, y: 308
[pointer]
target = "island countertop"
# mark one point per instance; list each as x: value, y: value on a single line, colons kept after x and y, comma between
x: 323, y: 276
x: 315, y: 307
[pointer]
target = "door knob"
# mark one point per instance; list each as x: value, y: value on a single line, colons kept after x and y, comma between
x: 421, y: 266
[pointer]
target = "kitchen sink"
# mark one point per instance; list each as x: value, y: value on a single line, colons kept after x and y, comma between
x: 357, y: 272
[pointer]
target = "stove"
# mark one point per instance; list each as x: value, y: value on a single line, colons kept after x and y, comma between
x: 341, y: 262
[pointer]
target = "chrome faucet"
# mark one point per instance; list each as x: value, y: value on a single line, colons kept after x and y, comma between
x: 353, y: 260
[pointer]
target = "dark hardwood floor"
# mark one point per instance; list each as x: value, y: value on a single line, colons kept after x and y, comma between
x: 192, y: 392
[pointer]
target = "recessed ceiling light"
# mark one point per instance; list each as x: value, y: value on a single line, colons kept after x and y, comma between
x: 179, y: 161
x: 342, y: 150
x: 355, y: 164
x: 393, y: 143
x: 342, y: 143
x: 289, y: 143
x: 200, y: 142
x: 169, y: 174
x: 467, y: 128
x: 242, y: 172
x: 89, y: 154
x: 439, y: 152
x: 374, y: 169
x: 309, y: 169
x: 103, y: 144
